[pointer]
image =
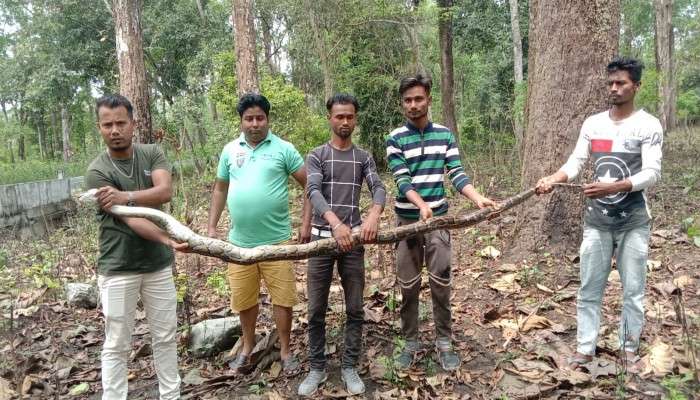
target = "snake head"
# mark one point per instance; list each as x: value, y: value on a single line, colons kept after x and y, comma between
x: 87, y: 197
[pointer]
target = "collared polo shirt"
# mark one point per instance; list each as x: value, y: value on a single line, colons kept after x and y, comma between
x: 258, y: 197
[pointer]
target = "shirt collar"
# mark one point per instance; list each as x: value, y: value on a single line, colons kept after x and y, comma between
x: 412, y: 127
x: 268, y: 139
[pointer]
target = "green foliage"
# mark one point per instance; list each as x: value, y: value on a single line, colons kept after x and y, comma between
x: 678, y: 386
x: 181, y: 285
x: 218, y: 282
x: 290, y: 117
x: 36, y: 170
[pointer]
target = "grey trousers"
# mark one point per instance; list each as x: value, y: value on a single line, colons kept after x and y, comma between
x: 435, y: 250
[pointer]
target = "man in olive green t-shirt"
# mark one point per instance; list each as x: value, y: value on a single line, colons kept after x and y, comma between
x: 136, y: 256
x: 252, y: 179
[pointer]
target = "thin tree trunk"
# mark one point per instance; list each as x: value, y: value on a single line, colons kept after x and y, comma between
x: 244, y: 43
x: 132, y: 71
x: 11, y: 150
x: 65, y: 132
x: 562, y: 92
x: 517, y: 67
x: 266, y: 25
x: 200, y: 10
x: 20, y: 148
x: 320, y: 49
x: 664, y: 62
x: 4, y: 112
x: 213, y: 110
x: 446, y: 67
x: 41, y: 136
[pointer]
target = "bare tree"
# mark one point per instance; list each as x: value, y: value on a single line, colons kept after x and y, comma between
x: 65, y: 132
x: 664, y: 61
x: 132, y: 71
x: 517, y: 66
x: 446, y: 66
x: 244, y: 44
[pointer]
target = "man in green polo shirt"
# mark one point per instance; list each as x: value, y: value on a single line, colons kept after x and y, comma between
x: 252, y: 180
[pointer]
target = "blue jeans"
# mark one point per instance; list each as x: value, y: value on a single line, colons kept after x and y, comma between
x: 597, y: 250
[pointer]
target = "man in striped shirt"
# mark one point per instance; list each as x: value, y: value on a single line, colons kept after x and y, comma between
x: 419, y: 154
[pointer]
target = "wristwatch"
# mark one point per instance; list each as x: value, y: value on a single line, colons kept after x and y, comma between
x: 130, y: 199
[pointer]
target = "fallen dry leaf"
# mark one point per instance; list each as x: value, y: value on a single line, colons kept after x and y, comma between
x: 683, y: 281
x: 506, y: 284
x: 489, y: 252
x: 659, y: 359
x: 534, y: 322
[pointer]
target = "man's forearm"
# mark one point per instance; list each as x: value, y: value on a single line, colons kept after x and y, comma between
x: 146, y: 229
x: 217, y: 207
x: 415, y: 198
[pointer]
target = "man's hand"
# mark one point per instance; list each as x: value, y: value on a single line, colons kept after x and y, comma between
x: 544, y: 185
x: 108, y: 196
x: 183, y: 247
x: 211, y: 232
x: 483, y: 202
x: 370, y: 226
x: 343, y: 235
x: 425, y: 212
x: 597, y: 190
x: 305, y: 232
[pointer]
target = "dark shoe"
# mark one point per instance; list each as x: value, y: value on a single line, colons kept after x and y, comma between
x: 449, y: 359
x: 241, y: 365
x: 407, y: 358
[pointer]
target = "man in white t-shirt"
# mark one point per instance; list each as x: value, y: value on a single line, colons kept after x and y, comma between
x: 625, y: 147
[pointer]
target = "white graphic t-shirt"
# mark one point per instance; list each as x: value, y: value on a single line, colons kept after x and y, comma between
x: 627, y: 149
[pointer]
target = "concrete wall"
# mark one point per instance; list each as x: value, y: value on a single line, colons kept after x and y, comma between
x: 32, y: 205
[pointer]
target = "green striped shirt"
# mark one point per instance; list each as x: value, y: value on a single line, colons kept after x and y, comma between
x: 418, y: 160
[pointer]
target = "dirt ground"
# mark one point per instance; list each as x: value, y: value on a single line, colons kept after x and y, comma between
x: 514, y: 315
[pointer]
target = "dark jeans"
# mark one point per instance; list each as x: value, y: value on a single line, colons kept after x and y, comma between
x: 435, y: 249
x: 351, y: 268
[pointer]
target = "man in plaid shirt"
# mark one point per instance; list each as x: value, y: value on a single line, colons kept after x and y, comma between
x: 335, y: 173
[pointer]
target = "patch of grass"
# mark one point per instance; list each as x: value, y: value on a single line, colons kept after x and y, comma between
x: 677, y: 386
x: 217, y: 281
x: 529, y: 276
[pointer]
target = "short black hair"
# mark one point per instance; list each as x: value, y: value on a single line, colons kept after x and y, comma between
x: 633, y: 67
x: 114, y: 101
x: 413, y: 81
x: 250, y: 100
x: 342, y: 98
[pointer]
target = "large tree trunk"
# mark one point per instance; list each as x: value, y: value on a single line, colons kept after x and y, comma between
x: 65, y: 132
x: 200, y: 10
x: 320, y: 48
x: 664, y: 62
x: 132, y: 71
x: 571, y: 42
x: 447, y: 80
x: 244, y: 43
x: 517, y: 67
